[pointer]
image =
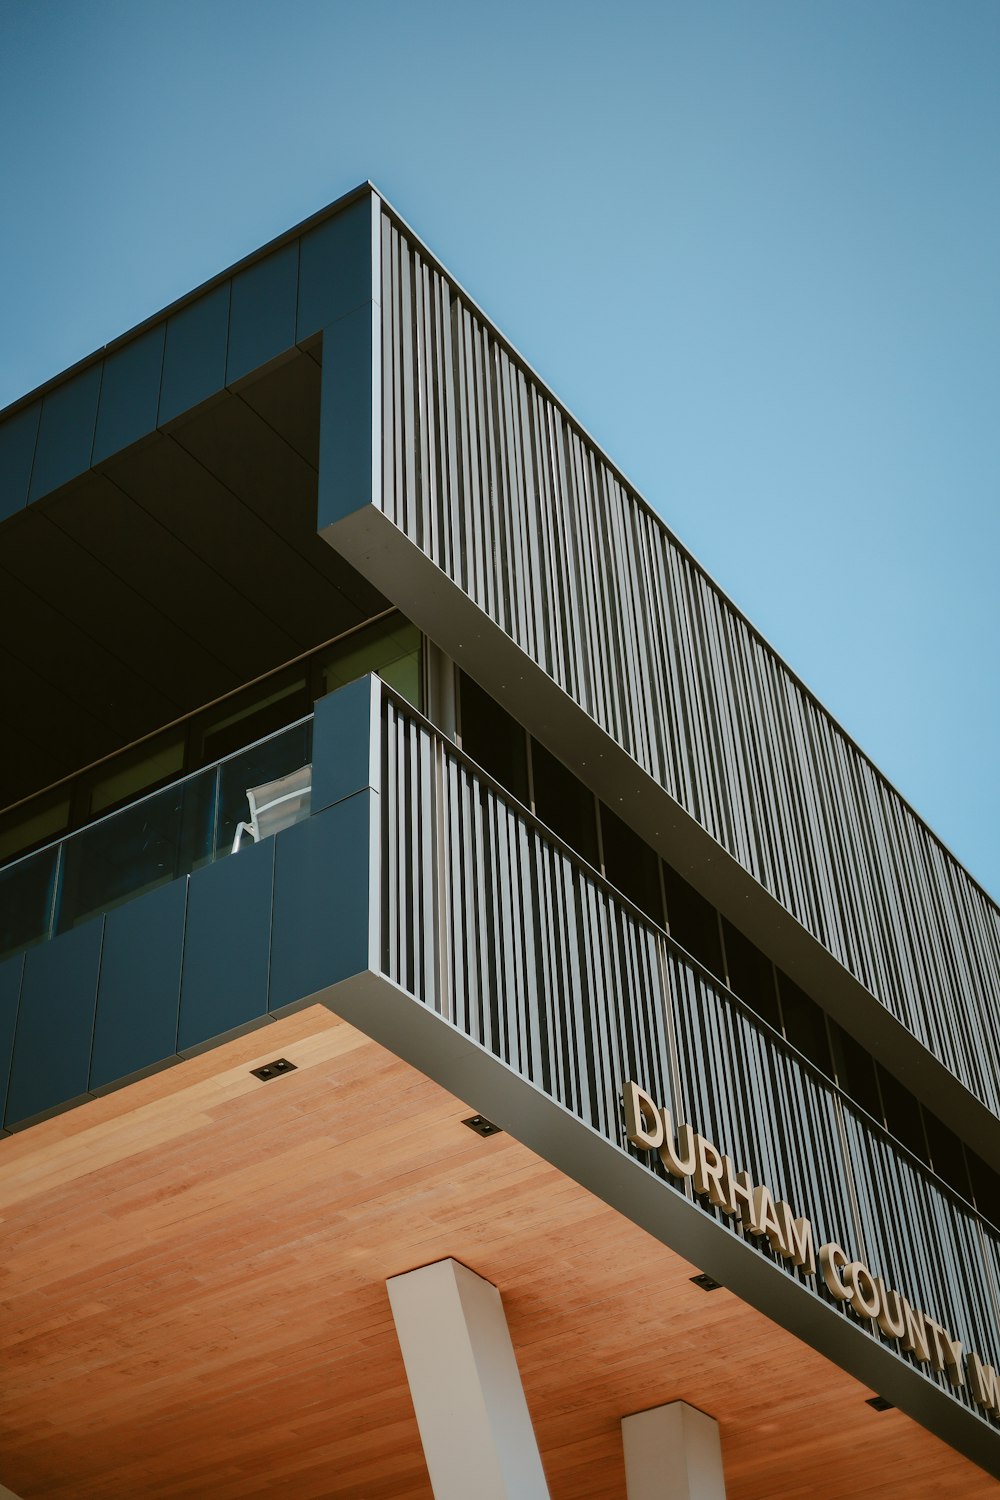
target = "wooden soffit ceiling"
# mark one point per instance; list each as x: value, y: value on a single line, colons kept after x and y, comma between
x: 193, y: 1282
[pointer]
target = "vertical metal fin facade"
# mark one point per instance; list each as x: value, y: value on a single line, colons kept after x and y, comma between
x: 490, y: 921
x: 488, y: 475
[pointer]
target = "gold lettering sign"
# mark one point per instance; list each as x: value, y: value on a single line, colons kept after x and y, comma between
x: 687, y: 1155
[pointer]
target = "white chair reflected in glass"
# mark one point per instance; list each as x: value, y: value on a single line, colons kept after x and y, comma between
x: 275, y: 805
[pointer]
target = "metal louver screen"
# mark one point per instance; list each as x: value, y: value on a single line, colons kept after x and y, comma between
x: 494, y: 482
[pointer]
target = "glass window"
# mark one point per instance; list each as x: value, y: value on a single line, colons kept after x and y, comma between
x: 947, y: 1155
x: 404, y: 675
x: 631, y: 865
x: 751, y: 974
x: 128, y: 775
x: 564, y: 803
x: 805, y: 1024
x: 854, y: 1070
x: 902, y: 1113
x: 252, y: 715
x: 495, y: 741
x: 985, y: 1187
x: 390, y: 647
x: 693, y: 921
x: 34, y: 823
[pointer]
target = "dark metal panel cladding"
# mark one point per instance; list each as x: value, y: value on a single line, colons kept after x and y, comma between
x: 139, y: 991
x: 346, y: 435
x: 335, y: 271
x: 17, y: 451
x: 227, y: 945
x: 262, y: 317
x: 321, y: 916
x: 55, y: 1022
x: 498, y: 927
x: 10, y: 994
x: 492, y: 479
x: 66, y: 432
x: 130, y: 393
x: 194, y: 356
x: 341, y: 744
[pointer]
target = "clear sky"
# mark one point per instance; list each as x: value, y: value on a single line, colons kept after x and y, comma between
x: 753, y: 244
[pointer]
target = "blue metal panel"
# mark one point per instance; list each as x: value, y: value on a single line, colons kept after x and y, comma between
x: 66, y: 432
x: 10, y: 994
x: 139, y: 992
x: 55, y: 1022
x: 130, y: 393
x: 345, y: 729
x: 345, y: 442
x: 17, y: 450
x: 321, y: 901
x: 335, y: 268
x: 224, y: 982
x: 194, y: 356
x: 262, y: 321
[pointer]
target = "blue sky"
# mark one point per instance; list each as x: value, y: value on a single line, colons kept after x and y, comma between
x: 753, y: 246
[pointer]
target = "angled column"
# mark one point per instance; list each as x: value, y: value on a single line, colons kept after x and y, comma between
x: 673, y: 1452
x: 466, y: 1389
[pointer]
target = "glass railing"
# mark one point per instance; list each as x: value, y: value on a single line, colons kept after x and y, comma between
x: 160, y: 837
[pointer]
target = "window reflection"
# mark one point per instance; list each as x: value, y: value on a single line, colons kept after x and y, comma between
x: 136, y: 849
x: 26, y: 891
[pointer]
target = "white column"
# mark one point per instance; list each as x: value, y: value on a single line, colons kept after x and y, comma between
x: 467, y: 1394
x: 673, y: 1453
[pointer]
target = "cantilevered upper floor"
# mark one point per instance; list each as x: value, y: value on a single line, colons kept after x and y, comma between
x: 589, y: 828
x: 331, y: 430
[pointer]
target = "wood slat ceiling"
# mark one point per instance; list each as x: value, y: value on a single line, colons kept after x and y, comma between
x: 193, y: 1281
x: 179, y: 569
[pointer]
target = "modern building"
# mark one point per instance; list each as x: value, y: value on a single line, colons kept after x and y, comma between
x: 471, y: 1024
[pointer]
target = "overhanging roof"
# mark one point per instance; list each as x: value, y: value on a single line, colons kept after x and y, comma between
x: 194, y: 1285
